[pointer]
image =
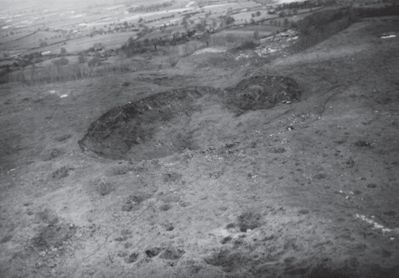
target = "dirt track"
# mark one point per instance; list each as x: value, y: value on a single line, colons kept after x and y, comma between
x: 303, y: 189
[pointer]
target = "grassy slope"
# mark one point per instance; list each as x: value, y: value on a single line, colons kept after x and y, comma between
x: 298, y: 189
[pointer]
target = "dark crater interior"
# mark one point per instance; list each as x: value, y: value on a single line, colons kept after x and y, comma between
x: 176, y: 120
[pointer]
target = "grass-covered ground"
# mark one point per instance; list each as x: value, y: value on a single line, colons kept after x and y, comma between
x: 304, y: 188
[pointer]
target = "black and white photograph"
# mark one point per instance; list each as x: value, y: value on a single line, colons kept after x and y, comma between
x: 199, y: 138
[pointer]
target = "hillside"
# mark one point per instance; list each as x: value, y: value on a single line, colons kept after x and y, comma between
x: 273, y: 157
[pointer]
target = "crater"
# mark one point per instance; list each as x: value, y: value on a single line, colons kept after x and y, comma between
x: 263, y: 92
x: 190, y: 118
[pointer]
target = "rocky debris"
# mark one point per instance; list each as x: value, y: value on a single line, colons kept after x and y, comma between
x: 226, y: 240
x: 134, y: 201
x: 61, y: 173
x: 320, y: 176
x: 165, y: 207
x: 362, y: 144
x: 390, y: 213
x: 276, y: 43
x: 350, y: 163
x: 62, y: 138
x: 6, y: 238
x: 278, y: 150
x: 104, y: 187
x: 172, y: 253
x: 303, y: 211
x: 132, y: 258
x: 227, y: 259
x: 248, y: 221
x: 119, y: 170
x: 153, y: 252
x: 371, y: 185
x: 262, y: 92
x: 52, y: 154
x: 168, y: 226
x: 53, y: 237
x: 171, y: 177
x: 47, y: 216
x: 125, y: 235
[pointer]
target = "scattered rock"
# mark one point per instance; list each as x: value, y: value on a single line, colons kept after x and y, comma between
x: 231, y: 145
x: 132, y: 258
x: 385, y: 253
x: 153, y: 252
x: 289, y: 260
x: 168, y: 227
x: 325, y: 272
x: 238, y: 242
x: 61, y: 172
x: 270, y: 237
x: 371, y: 185
x: 193, y: 266
x: 303, y: 211
x: 134, y: 201
x: 216, y: 175
x: 299, y: 272
x: 184, y: 204
x: 127, y: 245
x: 125, y: 234
x: 171, y: 177
x: 52, y: 154
x: 390, y: 213
x: 6, y: 238
x: 47, y: 216
x: 362, y: 144
x: 127, y: 206
x: 350, y: 163
x: 278, y: 150
x: 119, y: 170
x: 165, y: 207
x: 104, y: 187
x: 226, y: 239
x: 121, y: 254
x: 63, y: 137
x: 53, y: 237
x: 261, y: 92
x: 172, y: 253
x: 320, y: 176
x: 248, y: 220
x: 227, y: 259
